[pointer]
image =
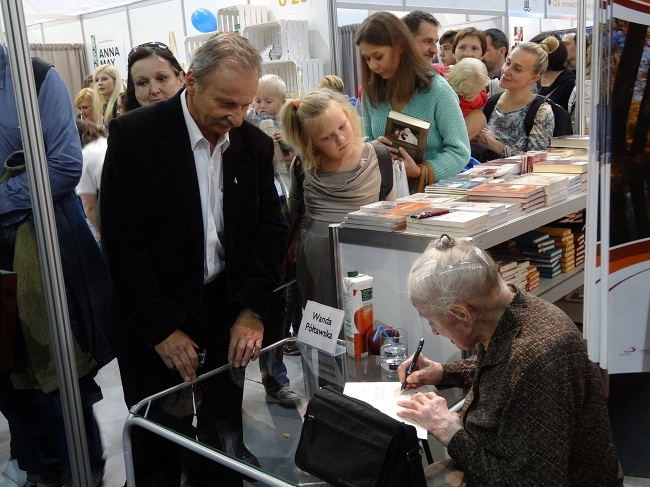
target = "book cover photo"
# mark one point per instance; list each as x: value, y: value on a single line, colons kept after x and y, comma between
x: 408, y: 132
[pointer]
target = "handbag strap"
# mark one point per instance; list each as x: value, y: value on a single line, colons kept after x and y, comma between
x: 385, y: 162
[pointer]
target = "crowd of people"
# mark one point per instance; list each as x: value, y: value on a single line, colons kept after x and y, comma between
x: 170, y: 165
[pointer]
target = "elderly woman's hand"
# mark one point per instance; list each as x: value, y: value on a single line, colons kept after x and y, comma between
x: 426, y: 372
x: 430, y: 410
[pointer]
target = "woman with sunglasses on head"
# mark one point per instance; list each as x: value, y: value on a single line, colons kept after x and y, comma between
x: 154, y: 74
x: 107, y: 89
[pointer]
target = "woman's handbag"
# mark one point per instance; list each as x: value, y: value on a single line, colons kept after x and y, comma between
x: 348, y: 442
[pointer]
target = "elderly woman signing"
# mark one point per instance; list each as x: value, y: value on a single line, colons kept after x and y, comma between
x: 535, y: 413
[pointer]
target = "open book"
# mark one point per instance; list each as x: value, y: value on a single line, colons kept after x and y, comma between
x: 384, y: 396
x: 408, y: 132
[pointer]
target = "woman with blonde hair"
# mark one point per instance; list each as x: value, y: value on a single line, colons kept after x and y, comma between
x: 341, y: 173
x: 108, y: 86
x: 505, y: 134
x: 84, y: 103
x: 395, y: 76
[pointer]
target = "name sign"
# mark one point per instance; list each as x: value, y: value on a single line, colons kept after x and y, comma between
x: 320, y: 326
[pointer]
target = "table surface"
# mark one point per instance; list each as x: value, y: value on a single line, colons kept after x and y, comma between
x: 271, y: 431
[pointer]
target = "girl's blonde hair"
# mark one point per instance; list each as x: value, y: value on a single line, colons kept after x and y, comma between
x: 332, y: 82
x: 468, y: 78
x: 301, y: 119
x: 86, y: 94
x: 101, y: 104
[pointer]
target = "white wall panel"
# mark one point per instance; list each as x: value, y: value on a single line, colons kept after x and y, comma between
x: 154, y: 23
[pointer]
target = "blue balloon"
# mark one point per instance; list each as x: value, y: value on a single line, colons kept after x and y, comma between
x: 204, y: 20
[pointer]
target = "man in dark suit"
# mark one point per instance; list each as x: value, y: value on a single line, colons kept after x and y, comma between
x: 193, y: 237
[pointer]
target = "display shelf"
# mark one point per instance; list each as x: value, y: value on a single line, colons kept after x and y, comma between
x: 300, y: 75
x: 291, y: 35
x: 413, y: 242
x: 235, y: 18
x: 558, y: 287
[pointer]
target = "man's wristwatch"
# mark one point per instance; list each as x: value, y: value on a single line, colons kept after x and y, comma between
x: 254, y: 314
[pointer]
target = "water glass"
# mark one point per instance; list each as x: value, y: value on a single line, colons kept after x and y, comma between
x: 394, y: 350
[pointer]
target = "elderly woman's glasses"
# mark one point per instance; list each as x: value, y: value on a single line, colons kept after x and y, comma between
x: 150, y: 45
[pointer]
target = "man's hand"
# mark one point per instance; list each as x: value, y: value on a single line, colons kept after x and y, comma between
x: 245, y: 339
x: 177, y: 351
x: 293, y: 251
x: 426, y: 372
x: 430, y: 410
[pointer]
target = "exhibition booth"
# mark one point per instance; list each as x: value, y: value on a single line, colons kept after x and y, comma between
x: 313, y: 39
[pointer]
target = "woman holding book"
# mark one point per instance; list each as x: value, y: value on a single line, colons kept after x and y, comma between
x: 396, y: 77
x: 505, y: 134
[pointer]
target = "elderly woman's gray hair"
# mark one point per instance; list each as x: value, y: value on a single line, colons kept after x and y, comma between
x: 451, y: 271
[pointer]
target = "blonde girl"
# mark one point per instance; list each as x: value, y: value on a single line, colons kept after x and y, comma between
x: 107, y: 89
x: 341, y: 173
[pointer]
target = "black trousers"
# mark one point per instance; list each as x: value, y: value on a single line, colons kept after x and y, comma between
x: 159, y: 462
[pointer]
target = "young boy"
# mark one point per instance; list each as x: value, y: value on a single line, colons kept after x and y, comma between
x: 270, y: 97
x: 446, y: 52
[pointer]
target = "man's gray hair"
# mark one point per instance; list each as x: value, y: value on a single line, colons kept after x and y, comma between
x: 225, y: 49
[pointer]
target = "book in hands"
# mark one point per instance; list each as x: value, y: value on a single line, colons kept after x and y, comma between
x: 408, y: 132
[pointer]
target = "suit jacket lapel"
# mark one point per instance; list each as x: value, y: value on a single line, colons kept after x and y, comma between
x: 234, y: 174
x: 179, y: 160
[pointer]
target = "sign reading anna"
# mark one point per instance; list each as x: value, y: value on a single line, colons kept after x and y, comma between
x: 109, y: 49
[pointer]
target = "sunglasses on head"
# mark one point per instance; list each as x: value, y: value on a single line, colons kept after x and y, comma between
x: 150, y: 45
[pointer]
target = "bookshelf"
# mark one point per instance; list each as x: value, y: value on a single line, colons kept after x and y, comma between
x: 388, y: 257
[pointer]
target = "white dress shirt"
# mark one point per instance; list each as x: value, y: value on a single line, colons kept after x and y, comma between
x: 209, y: 172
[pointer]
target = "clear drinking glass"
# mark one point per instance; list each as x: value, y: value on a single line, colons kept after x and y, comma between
x: 394, y: 350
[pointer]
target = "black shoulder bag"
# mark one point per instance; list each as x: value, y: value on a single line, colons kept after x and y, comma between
x: 349, y: 443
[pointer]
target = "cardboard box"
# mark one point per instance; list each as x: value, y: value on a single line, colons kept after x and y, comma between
x: 357, y: 305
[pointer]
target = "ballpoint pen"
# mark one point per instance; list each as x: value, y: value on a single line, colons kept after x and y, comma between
x: 416, y: 355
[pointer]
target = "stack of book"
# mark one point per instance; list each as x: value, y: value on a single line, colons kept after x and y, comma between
x: 564, y: 166
x: 532, y: 277
x: 398, y: 207
x: 436, y: 200
x: 454, y: 224
x: 564, y: 240
x: 576, y: 223
x: 512, y: 162
x: 488, y: 171
x: 529, y: 158
x: 571, y: 141
x: 555, y: 186
x: 579, y: 242
x: 515, y: 272
x: 540, y: 248
x: 385, y: 222
x: 458, y: 185
x: 558, y: 152
x: 530, y: 197
x: 497, y: 212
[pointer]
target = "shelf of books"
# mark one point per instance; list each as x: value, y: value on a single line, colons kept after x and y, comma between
x: 360, y: 241
x: 530, y: 221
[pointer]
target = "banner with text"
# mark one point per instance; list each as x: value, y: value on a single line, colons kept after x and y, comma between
x: 109, y: 49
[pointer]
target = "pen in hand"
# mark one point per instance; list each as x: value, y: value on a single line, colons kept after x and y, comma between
x: 411, y: 367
